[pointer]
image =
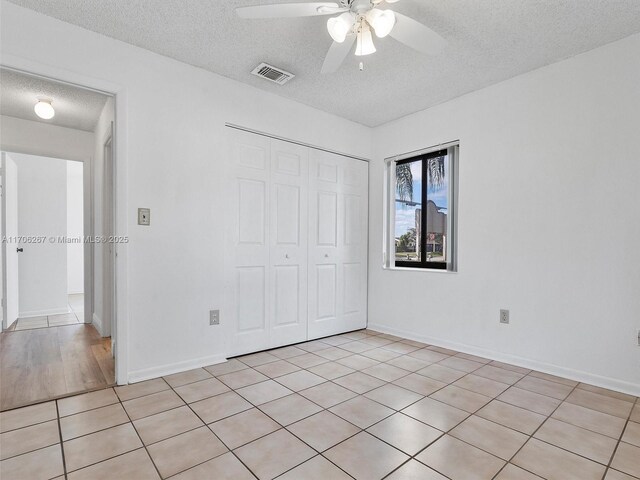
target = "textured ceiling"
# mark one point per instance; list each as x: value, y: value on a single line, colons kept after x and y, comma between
x: 488, y: 41
x: 75, y: 107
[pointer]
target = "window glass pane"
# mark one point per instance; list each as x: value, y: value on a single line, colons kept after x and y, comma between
x: 437, y: 208
x: 408, y: 204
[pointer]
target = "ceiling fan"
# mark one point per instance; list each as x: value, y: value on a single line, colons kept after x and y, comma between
x: 356, y: 20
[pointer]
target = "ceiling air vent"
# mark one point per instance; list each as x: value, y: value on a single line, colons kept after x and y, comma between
x: 272, y: 73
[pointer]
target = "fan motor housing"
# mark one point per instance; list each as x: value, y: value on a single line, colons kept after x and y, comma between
x: 361, y: 6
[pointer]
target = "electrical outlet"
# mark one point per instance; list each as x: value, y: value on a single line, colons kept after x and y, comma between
x: 504, y: 316
x: 214, y: 317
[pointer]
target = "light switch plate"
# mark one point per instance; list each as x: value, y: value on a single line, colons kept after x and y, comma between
x: 144, y: 216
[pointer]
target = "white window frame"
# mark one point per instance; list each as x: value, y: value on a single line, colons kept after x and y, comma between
x: 388, y: 254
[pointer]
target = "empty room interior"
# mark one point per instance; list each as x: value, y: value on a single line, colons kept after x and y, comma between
x: 355, y: 239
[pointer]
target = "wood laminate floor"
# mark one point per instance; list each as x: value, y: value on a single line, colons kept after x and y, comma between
x: 47, y: 363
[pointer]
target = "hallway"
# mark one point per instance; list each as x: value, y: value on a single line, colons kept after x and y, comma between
x: 73, y: 317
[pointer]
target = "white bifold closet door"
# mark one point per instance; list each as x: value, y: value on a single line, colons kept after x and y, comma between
x: 288, y: 243
x: 271, y: 215
x: 338, y: 212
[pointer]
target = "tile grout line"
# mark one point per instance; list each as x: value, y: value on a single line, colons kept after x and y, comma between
x: 615, y: 449
x: 618, y: 441
x: 102, y: 430
x: 138, y: 433
x: 532, y: 436
x: 495, y: 398
x: 94, y: 431
x: 411, y: 457
x: 361, y: 430
x: 207, y: 425
x: 323, y: 409
x: 64, y: 461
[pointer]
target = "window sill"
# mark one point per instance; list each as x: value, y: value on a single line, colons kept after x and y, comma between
x: 409, y: 269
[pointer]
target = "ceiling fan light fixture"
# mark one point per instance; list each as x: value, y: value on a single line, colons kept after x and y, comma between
x: 44, y: 109
x: 382, y: 21
x: 365, y: 44
x: 340, y: 26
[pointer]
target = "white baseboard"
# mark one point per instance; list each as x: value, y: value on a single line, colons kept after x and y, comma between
x: 572, y: 374
x: 168, y: 369
x: 43, y: 313
x: 97, y: 323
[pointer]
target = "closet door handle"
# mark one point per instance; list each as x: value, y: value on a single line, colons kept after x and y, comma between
x: 19, y: 249
x: 286, y: 255
x: 326, y: 255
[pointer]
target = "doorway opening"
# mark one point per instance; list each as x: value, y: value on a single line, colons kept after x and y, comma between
x: 58, y: 259
x: 46, y: 196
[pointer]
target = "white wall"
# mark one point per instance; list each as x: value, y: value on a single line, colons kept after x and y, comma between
x: 75, y: 228
x: 173, y: 163
x: 42, y: 211
x: 549, y: 224
x: 38, y: 138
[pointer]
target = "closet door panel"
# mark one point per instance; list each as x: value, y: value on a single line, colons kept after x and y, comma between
x: 251, y: 288
x: 246, y: 270
x: 351, y: 274
x: 252, y: 201
x: 288, y: 242
x: 326, y: 219
x: 287, y: 295
x: 355, y: 243
x: 338, y: 247
x: 325, y: 292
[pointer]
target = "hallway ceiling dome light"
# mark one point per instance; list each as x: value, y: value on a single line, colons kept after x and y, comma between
x: 44, y: 109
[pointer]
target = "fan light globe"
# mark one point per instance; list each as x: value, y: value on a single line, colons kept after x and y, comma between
x: 339, y: 27
x: 382, y: 21
x: 44, y: 109
x: 365, y: 44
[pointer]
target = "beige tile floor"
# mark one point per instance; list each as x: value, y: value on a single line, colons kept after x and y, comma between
x: 73, y: 317
x: 361, y: 405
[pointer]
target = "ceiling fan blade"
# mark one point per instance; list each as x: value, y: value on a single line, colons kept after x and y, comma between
x: 337, y: 53
x: 416, y: 35
x: 289, y: 10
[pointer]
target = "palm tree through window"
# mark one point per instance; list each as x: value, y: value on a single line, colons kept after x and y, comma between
x: 421, y: 209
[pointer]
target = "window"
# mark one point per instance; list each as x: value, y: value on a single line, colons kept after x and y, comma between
x: 421, y: 210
